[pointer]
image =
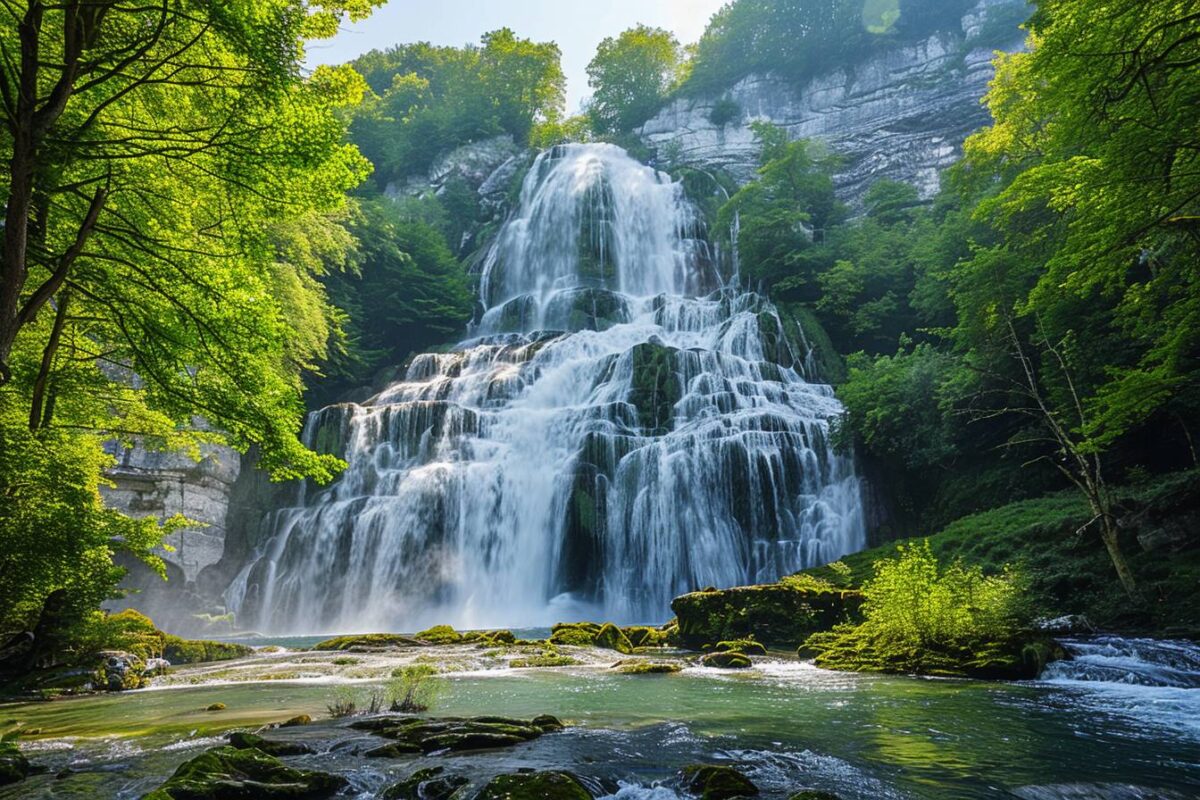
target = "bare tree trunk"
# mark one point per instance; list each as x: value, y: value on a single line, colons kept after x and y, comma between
x: 38, y: 419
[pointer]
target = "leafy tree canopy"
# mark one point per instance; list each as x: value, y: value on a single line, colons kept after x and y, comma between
x: 632, y: 75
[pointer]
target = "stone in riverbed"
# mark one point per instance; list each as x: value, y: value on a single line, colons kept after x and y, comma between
x: 369, y: 642
x: 712, y: 782
x: 393, y: 750
x: 440, y: 634
x: 246, y: 741
x: 574, y: 633
x: 296, y: 721
x: 812, y: 794
x: 727, y: 660
x: 426, y: 784
x: 746, y: 647
x: 225, y: 773
x: 646, y: 668
x: 534, y: 786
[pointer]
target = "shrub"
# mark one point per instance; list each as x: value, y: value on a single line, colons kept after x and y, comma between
x: 413, y: 688
x: 922, y: 617
x: 725, y: 111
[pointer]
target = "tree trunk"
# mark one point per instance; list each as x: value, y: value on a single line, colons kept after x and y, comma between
x: 38, y: 419
x: 1108, y: 533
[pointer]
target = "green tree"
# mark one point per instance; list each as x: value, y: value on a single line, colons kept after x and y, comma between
x: 631, y: 76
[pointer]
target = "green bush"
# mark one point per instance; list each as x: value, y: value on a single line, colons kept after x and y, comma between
x: 414, y: 688
x: 922, y: 617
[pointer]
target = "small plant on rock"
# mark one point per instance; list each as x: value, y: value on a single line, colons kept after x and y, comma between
x: 413, y: 688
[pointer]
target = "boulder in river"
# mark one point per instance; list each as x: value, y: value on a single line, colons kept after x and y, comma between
x: 613, y: 638
x: 226, y: 772
x: 774, y: 614
x: 727, y: 660
x: 717, y: 782
x: 453, y: 734
x: 118, y: 671
x: 534, y: 786
x: 246, y: 741
x: 14, y: 766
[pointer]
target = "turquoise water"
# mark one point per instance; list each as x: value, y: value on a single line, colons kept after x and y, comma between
x: 787, y: 723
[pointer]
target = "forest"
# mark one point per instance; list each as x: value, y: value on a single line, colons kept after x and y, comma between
x: 205, y: 240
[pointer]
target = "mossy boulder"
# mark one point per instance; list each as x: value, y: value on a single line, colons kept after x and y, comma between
x: 226, y: 773
x: 582, y: 634
x: 118, y: 671
x: 296, y: 721
x: 426, y: 784
x: 14, y: 766
x: 645, y: 636
x: 367, y: 642
x: 813, y: 794
x: 453, y: 734
x: 854, y: 649
x: 773, y: 614
x: 713, y: 782
x: 546, y: 659
x: 534, y: 786
x: 646, y: 668
x: 247, y: 741
x: 199, y: 651
x: 613, y: 638
x: 727, y: 660
x: 440, y: 634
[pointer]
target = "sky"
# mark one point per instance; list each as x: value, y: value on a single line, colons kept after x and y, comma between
x: 576, y: 25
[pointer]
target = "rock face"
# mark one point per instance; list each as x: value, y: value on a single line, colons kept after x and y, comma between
x: 901, y: 114
x: 152, y: 483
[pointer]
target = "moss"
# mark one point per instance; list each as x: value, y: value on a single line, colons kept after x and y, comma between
x: 645, y: 636
x: 613, y: 638
x: 646, y: 668
x: 545, y: 660
x: 773, y: 614
x: 812, y: 794
x: 808, y: 337
x: 534, y: 786
x: 215, y: 707
x: 656, y: 387
x: 226, y: 772
x: 440, y: 634
x: 854, y: 649
x: 711, y: 782
x: 727, y: 660
x: 198, y: 651
x: 369, y: 641
x: 582, y: 634
x: 414, y: 734
x: 296, y: 721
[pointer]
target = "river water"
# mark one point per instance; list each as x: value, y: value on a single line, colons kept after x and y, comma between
x: 1121, y: 721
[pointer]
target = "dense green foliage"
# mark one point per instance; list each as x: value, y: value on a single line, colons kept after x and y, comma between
x: 174, y: 188
x: 631, y: 75
x: 1035, y: 326
x: 426, y: 100
x: 920, y: 615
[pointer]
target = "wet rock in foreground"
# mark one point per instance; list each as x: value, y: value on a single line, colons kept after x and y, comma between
x: 226, y: 772
x: 452, y: 734
x: 534, y: 786
x: 711, y: 782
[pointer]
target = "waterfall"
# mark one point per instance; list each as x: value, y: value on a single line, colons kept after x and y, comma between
x: 621, y: 427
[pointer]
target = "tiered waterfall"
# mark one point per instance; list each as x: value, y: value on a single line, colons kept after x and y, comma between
x: 623, y: 426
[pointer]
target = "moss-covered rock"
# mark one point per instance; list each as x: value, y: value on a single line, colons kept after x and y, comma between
x: 226, y: 773
x: 246, y: 741
x: 656, y: 386
x: 370, y: 641
x: 440, y: 634
x: 712, y: 782
x: 296, y: 721
x: 534, y: 786
x: 813, y: 794
x: 774, y: 614
x: 582, y: 634
x: 727, y: 660
x: 854, y: 649
x: 426, y: 784
x: 199, y: 651
x: 543, y: 660
x: 14, y: 766
x: 393, y: 750
x: 646, y: 668
x: 645, y: 636
x: 613, y: 638
x: 118, y: 671
x: 452, y: 734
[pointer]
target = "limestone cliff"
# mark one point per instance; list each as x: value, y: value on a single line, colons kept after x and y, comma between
x: 901, y: 114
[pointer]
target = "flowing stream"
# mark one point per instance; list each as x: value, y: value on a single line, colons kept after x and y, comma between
x: 624, y: 425
x: 1081, y: 733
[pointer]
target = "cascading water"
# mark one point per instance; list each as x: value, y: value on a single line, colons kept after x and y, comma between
x: 621, y: 429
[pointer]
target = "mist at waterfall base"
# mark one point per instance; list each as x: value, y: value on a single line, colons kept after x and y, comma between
x: 625, y: 425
